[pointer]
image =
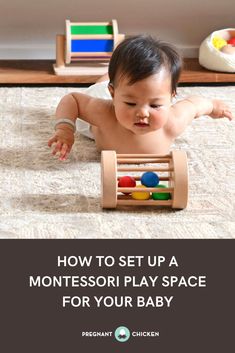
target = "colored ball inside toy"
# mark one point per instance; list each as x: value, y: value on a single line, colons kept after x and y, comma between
x: 218, y: 42
x: 140, y: 195
x: 228, y: 49
x: 126, y: 182
x: 231, y: 41
x: 149, y: 179
x: 161, y: 195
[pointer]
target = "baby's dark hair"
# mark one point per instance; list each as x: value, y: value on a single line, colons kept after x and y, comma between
x: 138, y: 57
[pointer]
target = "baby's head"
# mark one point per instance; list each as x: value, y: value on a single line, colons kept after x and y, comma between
x: 143, y: 75
x: 139, y: 57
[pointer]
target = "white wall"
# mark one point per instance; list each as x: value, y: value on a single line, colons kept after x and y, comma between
x: 28, y: 28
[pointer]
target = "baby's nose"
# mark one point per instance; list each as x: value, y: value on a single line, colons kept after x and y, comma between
x: 143, y: 113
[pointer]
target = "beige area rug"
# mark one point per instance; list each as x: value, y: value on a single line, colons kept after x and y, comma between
x: 44, y: 198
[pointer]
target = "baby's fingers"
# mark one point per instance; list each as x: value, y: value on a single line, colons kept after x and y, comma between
x: 64, y: 152
x: 228, y: 114
x: 57, y: 147
x: 52, y: 140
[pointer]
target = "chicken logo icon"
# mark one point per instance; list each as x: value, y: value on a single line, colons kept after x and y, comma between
x: 122, y: 334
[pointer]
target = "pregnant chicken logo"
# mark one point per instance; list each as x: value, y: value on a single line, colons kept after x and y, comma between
x: 122, y: 334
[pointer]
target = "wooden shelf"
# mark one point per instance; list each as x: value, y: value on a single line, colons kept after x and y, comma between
x: 194, y: 73
x: 41, y: 72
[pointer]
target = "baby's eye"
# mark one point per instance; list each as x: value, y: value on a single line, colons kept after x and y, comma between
x: 130, y: 104
x: 155, y: 106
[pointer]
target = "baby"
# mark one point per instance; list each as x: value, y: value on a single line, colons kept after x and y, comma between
x: 139, y: 117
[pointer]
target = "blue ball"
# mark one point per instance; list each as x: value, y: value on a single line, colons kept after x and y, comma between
x: 149, y: 179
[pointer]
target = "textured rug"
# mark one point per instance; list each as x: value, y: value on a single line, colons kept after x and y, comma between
x: 42, y: 197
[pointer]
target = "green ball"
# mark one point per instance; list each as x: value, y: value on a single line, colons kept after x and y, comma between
x: 161, y: 195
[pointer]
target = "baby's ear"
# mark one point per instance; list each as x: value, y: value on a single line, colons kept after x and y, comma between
x: 111, y: 89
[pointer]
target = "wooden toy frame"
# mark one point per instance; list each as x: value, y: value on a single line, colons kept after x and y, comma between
x: 175, y: 174
x: 69, y: 62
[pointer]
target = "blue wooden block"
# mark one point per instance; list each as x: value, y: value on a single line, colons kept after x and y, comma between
x: 91, y: 45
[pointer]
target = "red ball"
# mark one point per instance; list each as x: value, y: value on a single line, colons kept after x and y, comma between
x: 126, y: 182
x: 231, y: 41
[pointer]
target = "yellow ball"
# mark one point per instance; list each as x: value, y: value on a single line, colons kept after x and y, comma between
x: 140, y: 195
x: 218, y: 42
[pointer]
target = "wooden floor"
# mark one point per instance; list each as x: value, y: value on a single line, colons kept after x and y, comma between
x: 41, y: 72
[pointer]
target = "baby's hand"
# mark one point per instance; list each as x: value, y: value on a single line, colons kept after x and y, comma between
x: 220, y: 110
x: 64, y: 139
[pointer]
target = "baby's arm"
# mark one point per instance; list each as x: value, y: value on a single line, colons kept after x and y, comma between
x: 183, y: 112
x: 63, y: 137
x: 70, y: 107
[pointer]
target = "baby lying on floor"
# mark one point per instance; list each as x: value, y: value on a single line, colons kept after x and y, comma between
x: 139, y: 117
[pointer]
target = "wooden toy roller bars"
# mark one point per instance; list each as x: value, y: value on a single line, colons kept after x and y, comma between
x: 171, y: 169
x: 86, y: 47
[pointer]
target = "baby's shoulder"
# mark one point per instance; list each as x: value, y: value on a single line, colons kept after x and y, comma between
x: 91, y: 105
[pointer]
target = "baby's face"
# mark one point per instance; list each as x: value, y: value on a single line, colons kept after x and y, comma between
x: 144, y: 106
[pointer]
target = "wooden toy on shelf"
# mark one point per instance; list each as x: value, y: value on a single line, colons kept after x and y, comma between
x: 86, y: 47
x: 171, y: 169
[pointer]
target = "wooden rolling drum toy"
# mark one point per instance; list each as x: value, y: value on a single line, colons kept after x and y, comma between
x: 171, y: 169
x: 86, y: 47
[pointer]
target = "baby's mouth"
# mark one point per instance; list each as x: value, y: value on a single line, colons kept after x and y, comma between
x: 141, y: 124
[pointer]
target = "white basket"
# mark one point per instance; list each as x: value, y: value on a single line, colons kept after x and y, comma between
x: 212, y: 58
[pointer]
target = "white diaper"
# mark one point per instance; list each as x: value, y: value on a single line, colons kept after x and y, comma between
x: 98, y: 90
